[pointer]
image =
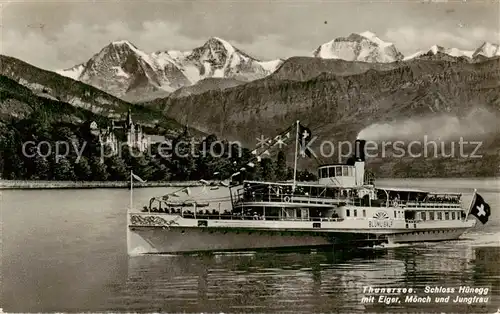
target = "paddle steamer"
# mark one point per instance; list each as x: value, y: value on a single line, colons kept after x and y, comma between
x: 342, y: 208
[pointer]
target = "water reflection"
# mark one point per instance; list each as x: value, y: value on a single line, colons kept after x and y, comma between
x: 65, y: 251
x: 320, y: 281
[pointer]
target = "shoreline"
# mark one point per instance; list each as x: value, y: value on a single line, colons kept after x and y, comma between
x: 49, y: 185
x: 53, y: 185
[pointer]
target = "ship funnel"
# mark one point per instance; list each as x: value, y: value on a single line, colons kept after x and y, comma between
x: 359, y: 153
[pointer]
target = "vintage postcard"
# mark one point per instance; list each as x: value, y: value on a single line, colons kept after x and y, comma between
x: 250, y: 156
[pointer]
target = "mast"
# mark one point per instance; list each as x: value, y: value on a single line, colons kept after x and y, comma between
x: 471, y: 203
x: 296, y: 153
x: 127, y: 216
x: 131, y: 189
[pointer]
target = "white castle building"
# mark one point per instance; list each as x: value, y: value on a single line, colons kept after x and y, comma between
x: 135, y: 137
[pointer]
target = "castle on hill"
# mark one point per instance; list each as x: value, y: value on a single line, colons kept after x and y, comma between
x: 134, y: 134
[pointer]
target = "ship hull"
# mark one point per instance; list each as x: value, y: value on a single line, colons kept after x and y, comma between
x: 162, y: 233
x: 427, y: 235
x: 151, y: 240
x: 147, y: 240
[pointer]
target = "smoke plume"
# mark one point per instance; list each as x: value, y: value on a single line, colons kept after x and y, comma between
x: 442, y: 127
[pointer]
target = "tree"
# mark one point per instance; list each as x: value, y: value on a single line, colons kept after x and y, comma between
x: 117, y: 169
x: 41, y: 169
x: 99, y: 169
x: 281, y: 168
x: 143, y: 166
x: 63, y: 133
x: 268, y: 170
x: 182, y: 164
x: 160, y: 172
x: 83, y: 170
x: 305, y: 175
x: 62, y: 169
x: 13, y: 163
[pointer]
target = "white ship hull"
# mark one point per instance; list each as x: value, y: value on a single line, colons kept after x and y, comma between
x: 426, y: 235
x: 147, y: 240
x: 150, y: 234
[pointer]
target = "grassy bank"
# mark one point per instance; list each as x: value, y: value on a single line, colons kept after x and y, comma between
x: 39, y: 185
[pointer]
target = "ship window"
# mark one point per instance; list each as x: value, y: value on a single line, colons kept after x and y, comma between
x: 431, y: 215
x: 347, y: 212
x: 324, y: 173
x: 355, y: 213
x: 423, y: 215
x: 345, y: 171
x: 314, y: 191
x: 338, y: 171
x: 364, y: 212
x: 331, y: 172
x: 395, y: 214
x: 446, y: 216
x: 440, y: 216
x: 452, y: 215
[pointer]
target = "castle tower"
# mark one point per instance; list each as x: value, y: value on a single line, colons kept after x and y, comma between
x: 139, y: 138
x: 129, y: 122
x: 131, y: 130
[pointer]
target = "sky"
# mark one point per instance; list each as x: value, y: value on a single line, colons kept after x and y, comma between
x: 60, y: 34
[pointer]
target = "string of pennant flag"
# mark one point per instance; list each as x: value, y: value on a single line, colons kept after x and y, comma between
x: 267, y: 148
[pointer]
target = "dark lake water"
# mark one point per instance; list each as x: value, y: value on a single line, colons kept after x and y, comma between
x: 65, y: 251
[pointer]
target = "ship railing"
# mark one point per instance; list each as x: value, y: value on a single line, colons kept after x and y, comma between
x: 411, y: 221
x: 226, y: 215
x: 257, y: 217
x: 432, y: 205
x: 294, y: 198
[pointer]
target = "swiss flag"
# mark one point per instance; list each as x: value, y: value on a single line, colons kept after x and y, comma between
x: 480, y: 209
x: 305, y: 136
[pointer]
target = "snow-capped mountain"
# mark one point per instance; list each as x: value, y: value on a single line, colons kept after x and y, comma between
x: 120, y: 68
x: 218, y: 59
x: 487, y: 50
x: 73, y: 72
x: 365, y: 47
x: 123, y: 70
x: 435, y: 50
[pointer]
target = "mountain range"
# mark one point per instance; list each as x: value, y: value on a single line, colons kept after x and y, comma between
x: 123, y: 70
x: 343, y: 88
x: 24, y: 88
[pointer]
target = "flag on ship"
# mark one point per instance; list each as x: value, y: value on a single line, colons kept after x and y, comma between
x: 268, y: 147
x: 305, y: 136
x: 137, y: 177
x: 281, y: 141
x: 480, y: 209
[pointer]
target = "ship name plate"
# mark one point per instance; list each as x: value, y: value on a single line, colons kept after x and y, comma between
x: 380, y: 223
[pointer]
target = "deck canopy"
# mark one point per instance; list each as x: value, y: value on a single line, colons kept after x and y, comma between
x: 163, y: 202
x: 416, y: 195
x: 272, y: 191
x: 401, y: 194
